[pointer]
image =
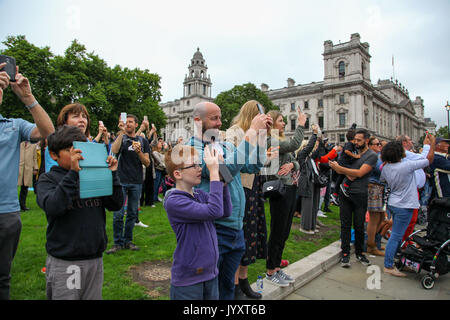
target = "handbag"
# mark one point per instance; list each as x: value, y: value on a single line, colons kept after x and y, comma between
x: 319, y: 179
x: 273, y: 189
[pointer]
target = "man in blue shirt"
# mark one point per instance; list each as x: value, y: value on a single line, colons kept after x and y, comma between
x: 248, y: 157
x: 12, y: 133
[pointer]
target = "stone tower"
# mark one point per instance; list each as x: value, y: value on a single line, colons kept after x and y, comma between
x: 347, y: 61
x: 197, y: 82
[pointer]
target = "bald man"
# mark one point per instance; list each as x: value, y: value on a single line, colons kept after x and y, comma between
x: 230, y: 236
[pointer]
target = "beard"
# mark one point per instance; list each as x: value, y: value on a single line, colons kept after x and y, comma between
x: 361, y: 147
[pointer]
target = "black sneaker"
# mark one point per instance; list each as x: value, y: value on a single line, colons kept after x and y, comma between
x: 114, y: 249
x: 344, y: 190
x: 131, y: 246
x: 345, y: 260
x: 362, y: 258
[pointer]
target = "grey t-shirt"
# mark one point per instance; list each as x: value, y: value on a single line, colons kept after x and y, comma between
x: 359, y: 185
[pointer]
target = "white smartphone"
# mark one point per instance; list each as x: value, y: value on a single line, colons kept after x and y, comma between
x: 100, y: 123
x: 145, y: 118
x: 123, y: 117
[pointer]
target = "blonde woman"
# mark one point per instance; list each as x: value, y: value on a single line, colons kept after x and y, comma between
x: 254, y: 224
x: 282, y: 209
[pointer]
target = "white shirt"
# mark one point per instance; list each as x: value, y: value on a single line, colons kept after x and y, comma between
x: 419, y: 174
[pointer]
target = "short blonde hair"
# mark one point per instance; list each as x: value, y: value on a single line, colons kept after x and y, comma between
x: 177, y: 156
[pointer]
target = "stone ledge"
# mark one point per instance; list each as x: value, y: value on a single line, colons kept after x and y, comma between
x: 304, y: 270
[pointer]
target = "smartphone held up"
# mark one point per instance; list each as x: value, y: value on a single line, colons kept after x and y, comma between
x: 10, y: 67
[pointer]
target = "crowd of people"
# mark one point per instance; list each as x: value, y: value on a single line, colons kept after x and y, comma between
x: 213, y: 187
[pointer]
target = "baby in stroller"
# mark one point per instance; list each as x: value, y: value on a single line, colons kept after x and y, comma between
x: 429, y: 252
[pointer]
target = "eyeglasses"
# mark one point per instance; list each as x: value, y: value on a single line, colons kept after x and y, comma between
x: 376, y: 144
x: 196, y: 166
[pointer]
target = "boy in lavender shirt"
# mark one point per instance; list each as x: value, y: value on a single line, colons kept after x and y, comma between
x: 191, y: 214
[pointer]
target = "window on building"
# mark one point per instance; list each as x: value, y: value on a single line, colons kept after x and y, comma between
x: 188, y: 120
x: 292, y: 106
x: 321, y: 122
x: 307, y: 123
x: 341, y: 99
x: 189, y: 89
x: 341, y: 119
x: 342, y: 137
x: 293, y: 125
x: 204, y: 89
x: 175, y: 125
x: 341, y: 69
x: 320, y: 102
x: 306, y: 104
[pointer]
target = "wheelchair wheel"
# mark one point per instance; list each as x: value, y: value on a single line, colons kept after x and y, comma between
x: 427, y: 282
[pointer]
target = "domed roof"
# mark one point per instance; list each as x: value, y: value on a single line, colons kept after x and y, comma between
x: 198, y: 54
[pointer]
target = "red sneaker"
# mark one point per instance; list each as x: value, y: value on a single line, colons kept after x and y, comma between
x: 284, y: 263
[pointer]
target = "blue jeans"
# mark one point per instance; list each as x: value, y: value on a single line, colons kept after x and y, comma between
x: 158, y: 180
x: 231, y: 249
x: 400, y: 221
x: 207, y: 290
x: 122, y: 235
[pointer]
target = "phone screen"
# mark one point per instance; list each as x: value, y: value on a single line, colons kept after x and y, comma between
x: 123, y: 117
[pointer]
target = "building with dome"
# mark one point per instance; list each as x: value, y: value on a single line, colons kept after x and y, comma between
x: 196, y: 88
x: 345, y: 96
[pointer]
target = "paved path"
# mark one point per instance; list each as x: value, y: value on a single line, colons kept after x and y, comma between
x: 351, y: 284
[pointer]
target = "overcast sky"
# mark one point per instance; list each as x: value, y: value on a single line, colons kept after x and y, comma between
x: 262, y: 41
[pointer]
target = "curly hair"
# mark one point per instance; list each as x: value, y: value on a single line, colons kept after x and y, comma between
x: 393, y: 152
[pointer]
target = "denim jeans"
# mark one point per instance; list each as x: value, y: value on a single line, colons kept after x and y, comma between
x: 123, y: 235
x: 231, y: 249
x: 158, y: 180
x: 400, y: 218
x: 207, y: 290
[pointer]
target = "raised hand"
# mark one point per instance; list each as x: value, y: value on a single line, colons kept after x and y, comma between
x: 75, y: 157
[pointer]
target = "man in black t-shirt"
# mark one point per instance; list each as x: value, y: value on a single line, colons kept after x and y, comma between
x: 354, y: 207
x: 133, y: 151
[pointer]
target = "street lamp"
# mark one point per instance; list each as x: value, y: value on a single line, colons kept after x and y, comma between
x: 447, y: 107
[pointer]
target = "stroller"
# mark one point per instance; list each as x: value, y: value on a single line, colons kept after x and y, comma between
x: 429, y: 252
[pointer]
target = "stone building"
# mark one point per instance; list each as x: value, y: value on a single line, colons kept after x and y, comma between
x: 345, y: 96
x: 196, y: 88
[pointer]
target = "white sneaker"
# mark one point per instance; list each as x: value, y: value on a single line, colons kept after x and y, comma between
x: 320, y: 213
x: 153, y: 206
x: 140, y: 224
x: 306, y: 231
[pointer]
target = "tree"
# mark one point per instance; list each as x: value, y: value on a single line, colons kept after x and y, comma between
x: 442, y: 132
x: 80, y: 76
x: 231, y: 101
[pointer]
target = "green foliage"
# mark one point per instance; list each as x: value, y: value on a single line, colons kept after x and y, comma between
x: 232, y: 100
x: 80, y: 76
x: 442, y: 132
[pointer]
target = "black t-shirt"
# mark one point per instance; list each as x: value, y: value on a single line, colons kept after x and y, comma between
x: 359, y: 185
x: 130, y: 167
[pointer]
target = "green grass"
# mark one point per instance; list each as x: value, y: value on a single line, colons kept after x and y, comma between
x: 156, y: 242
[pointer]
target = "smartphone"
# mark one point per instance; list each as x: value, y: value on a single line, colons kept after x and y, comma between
x: 145, y: 118
x: 100, y: 123
x: 261, y: 111
x: 10, y: 67
x: 123, y: 117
